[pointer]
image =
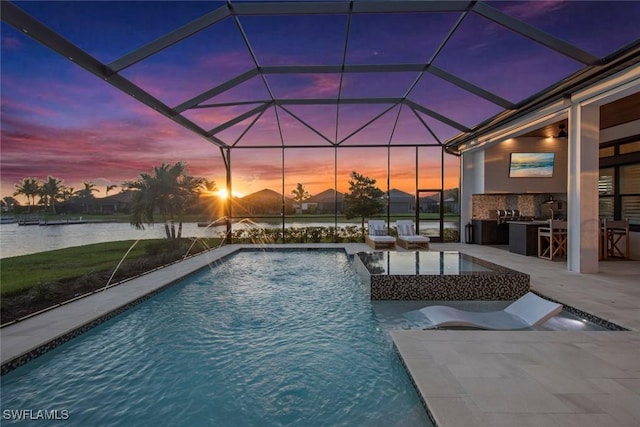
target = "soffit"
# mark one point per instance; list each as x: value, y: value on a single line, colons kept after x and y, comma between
x: 615, y: 113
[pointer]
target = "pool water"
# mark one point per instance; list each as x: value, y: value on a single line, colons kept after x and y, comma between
x: 401, y: 315
x: 263, y: 339
x: 443, y: 263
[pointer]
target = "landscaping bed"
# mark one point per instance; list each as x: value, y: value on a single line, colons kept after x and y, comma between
x: 32, y: 283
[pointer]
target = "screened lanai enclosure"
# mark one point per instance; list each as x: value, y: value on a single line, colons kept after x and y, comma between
x: 311, y: 91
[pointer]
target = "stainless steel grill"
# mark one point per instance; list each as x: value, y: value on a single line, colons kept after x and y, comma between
x: 504, y: 215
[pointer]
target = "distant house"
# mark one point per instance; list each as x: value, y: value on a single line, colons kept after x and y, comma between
x: 120, y: 202
x: 263, y: 202
x: 451, y: 205
x: 451, y: 198
x: 401, y: 202
x: 430, y: 204
x: 324, y: 202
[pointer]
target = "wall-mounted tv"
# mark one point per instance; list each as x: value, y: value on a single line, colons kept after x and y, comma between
x: 531, y: 165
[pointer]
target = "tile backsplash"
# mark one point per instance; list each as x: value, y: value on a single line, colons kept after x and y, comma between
x: 484, y: 206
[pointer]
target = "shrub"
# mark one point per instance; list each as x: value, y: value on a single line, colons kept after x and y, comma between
x: 315, y: 234
x: 44, y: 291
x: 451, y: 235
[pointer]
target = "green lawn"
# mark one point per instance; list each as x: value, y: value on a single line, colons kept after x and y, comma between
x: 21, y: 273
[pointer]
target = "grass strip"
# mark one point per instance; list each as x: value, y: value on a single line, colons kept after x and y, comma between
x: 21, y: 273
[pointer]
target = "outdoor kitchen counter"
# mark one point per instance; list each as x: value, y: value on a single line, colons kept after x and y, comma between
x: 490, y: 232
x: 523, y: 236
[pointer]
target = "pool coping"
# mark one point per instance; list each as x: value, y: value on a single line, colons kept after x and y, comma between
x: 32, y: 337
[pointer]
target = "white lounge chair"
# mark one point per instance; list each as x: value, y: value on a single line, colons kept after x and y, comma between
x: 408, y: 238
x: 378, y: 237
x: 526, y: 312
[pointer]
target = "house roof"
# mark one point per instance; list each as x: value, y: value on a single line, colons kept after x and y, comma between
x: 261, y: 195
x: 328, y: 195
x: 121, y: 197
x: 396, y: 194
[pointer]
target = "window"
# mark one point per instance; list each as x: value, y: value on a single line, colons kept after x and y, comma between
x: 606, y: 190
x: 606, y: 182
x: 632, y: 147
x: 630, y: 193
x: 619, y: 181
x: 607, y: 152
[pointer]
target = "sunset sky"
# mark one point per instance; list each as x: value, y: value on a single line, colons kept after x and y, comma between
x: 60, y: 120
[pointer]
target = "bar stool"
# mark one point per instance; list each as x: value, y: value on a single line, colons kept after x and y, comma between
x: 614, y: 231
x: 552, y: 240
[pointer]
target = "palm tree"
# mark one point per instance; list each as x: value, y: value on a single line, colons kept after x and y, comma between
x: 30, y: 188
x: 86, y: 194
x: 68, y: 193
x: 169, y: 191
x: 111, y: 187
x: 51, y: 191
x: 208, y: 186
x: 208, y: 197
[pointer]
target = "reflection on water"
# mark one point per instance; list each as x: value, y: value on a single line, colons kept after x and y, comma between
x: 421, y: 263
x: 22, y: 240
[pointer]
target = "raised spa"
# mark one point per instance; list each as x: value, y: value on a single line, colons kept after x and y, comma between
x: 437, y: 275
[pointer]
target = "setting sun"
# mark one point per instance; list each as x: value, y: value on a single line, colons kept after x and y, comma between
x: 223, y: 194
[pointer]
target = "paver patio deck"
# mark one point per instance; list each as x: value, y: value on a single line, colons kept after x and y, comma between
x: 536, y: 378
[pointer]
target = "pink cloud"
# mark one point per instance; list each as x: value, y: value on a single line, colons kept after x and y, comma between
x: 323, y: 85
x: 534, y: 9
x: 304, y: 85
x: 231, y: 62
x: 11, y: 43
x: 26, y: 108
x: 176, y: 82
x: 111, y: 150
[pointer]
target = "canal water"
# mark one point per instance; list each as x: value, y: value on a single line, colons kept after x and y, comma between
x: 22, y: 240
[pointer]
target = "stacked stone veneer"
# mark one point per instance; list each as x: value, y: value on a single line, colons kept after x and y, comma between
x: 499, y: 284
x: 484, y: 205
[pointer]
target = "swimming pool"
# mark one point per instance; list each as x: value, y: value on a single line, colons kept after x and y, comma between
x: 265, y: 339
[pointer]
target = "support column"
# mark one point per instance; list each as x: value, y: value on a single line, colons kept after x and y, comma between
x: 472, y: 182
x: 582, y: 188
x: 226, y: 156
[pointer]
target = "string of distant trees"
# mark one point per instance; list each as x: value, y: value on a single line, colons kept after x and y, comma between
x: 49, y: 194
x: 52, y: 196
x: 172, y: 193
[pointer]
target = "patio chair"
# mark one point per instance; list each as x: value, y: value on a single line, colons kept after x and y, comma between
x: 615, y: 233
x: 378, y: 237
x: 552, y: 240
x: 526, y: 312
x: 408, y: 238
